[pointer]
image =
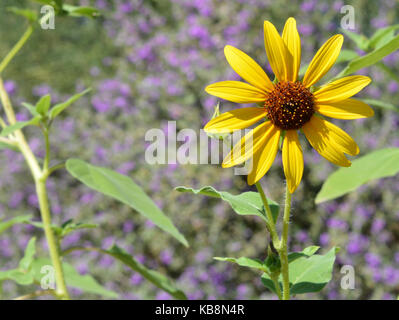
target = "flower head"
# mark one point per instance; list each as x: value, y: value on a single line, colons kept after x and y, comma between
x: 287, y: 105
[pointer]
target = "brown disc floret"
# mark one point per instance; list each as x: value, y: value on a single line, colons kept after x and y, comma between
x: 290, y: 105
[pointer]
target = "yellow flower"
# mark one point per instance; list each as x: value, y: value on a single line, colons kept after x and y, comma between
x: 288, y: 105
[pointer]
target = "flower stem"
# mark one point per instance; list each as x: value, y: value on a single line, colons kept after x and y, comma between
x: 7, y: 59
x: 271, y: 225
x: 283, y: 248
x: 40, y: 178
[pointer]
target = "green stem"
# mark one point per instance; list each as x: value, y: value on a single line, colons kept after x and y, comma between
x: 40, y: 178
x: 283, y: 248
x: 277, y: 286
x: 7, y: 59
x: 271, y: 224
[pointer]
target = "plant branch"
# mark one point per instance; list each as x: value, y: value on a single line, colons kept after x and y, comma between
x: 7, y: 59
x: 35, y: 294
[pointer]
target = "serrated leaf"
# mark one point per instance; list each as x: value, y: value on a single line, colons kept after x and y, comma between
x: 4, y: 225
x: 19, y: 125
x: 153, y: 276
x: 245, y: 262
x: 371, y: 58
x: 43, y: 104
x: 73, y: 279
x: 30, y: 251
x: 307, y: 273
x: 60, y: 107
x: 375, y: 165
x: 123, y: 189
x: 247, y: 203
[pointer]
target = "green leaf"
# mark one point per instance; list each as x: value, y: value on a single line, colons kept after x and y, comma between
x: 247, y: 203
x: 58, y: 108
x: 307, y: 252
x: 123, y: 189
x: 382, y: 36
x: 375, y: 165
x: 43, y: 104
x: 372, y: 57
x: 346, y: 55
x: 30, y: 15
x: 31, y: 108
x: 19, y: 125
x: 8, y: 146
x: 74, y: 11
x: 9, y: 223
x: 73, y: 279
x: 17, y: 276
x: 246, y: 262
x: 69, y: 226
x: 307, y: 273
x: 30, y: 251
x: 360, y: 40
x: 380, y: 104
x: 155, y: 277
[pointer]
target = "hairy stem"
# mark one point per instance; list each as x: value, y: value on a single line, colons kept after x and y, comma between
x: 271, y: 224
x: 283, y: 248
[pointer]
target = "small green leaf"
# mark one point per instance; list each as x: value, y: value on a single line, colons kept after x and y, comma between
x: 69, y: 226
x: 155, y: 277
x: 74, y: 11
x: 43, y: 104
x: 307, y: 273
x: 360, y: 40
x: 31, y: 108
x: 123, y: 189
x: 371, y: 58
x: 58, y: 108
x: 73, y: 279
x: 30, y: 251
x: 8, y: 146
x: 19, y: 125
x: 246, y: 262
x: 247, y: 203
x: 378, y: 164
x: 9, y: 223
x: 307, y: 252
x: 30, y: 15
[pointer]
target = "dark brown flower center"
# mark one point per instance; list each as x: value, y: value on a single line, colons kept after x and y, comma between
x: 290, y: 105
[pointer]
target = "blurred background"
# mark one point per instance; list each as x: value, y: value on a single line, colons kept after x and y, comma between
x: 148, y: 62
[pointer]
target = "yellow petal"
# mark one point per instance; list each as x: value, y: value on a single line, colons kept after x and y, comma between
x: 293, y: 42
x: 235, y: 120
x: 248, y: 69
x: 292, y: 160
x: 248, y: 145
x: 341, y: 89
x: 343, y: 140
x: 236, y: 91
x: 264, y: 156
x: 320, y: 139
x: 279, y: 57
x: 347, y: 109
x: 323, y: 60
